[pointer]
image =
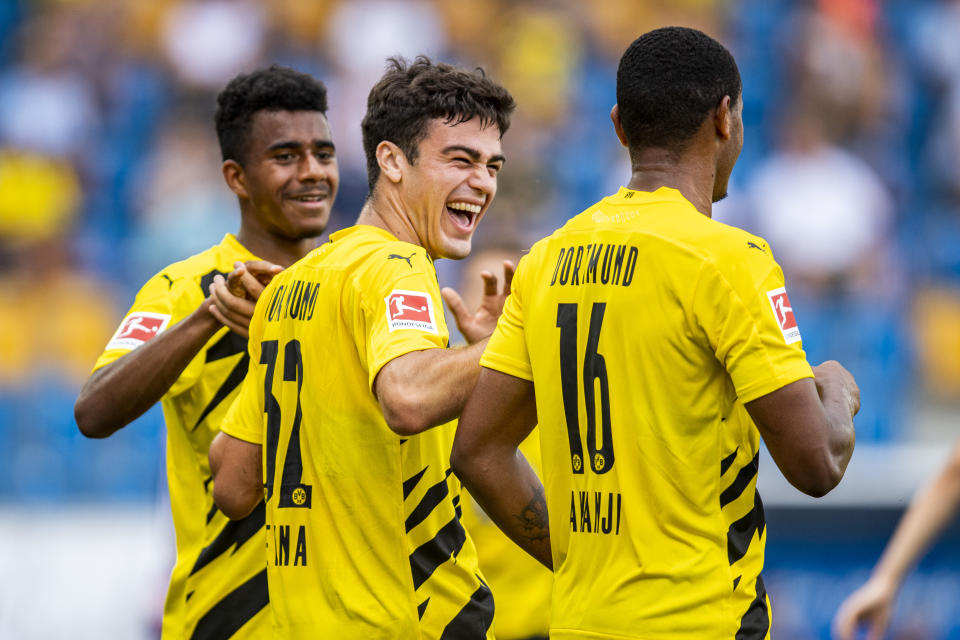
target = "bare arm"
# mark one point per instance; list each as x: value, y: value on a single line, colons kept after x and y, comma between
x: 499, y: 415
x: 236, y: 466
x: 423, y: 389
x: 808, y: 427
x: 929, y: 512
x: 123, y: 390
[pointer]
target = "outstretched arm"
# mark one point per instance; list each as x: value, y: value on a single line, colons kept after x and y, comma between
x: 122, y: 391
x: 499, y: 415
x: 119, y: 393
x: 236, y: 466
x: 929, y: 512
x: 423, y: 389
x: 808, y: 427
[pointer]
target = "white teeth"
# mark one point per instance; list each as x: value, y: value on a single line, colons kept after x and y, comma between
x: 465, y: 206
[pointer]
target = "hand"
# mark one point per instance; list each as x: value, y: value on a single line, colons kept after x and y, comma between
x: 870, y: 605
x: 832, y: 373
x: 235, y: 297
x: 477, y: 326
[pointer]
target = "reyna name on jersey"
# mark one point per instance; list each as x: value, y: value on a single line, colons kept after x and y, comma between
x: 293, y: 301
x: 593, y: 263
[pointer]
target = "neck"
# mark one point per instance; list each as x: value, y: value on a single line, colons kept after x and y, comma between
x: 272, y: 248
x: 387, y: 211
x: 691, y: 175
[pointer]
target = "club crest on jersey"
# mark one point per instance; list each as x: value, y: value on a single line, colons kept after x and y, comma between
x: 410, y: 310
x: 783, y: 312
x: 137, y: 328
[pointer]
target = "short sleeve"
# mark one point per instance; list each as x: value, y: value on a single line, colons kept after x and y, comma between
x: 161, y: 303
x: 507, y: 349
x: 745, y: 313
x: 401, y: 312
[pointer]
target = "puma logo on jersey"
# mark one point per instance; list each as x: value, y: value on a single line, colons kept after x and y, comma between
x: 396, y: 256
x: 753, y: 245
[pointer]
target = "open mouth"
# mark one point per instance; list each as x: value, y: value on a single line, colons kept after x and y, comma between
x: 464, y: 214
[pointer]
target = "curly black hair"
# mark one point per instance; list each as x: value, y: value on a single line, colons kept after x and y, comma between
x: 275, y: 88
x: 668, y: 80
x: 409, y: 95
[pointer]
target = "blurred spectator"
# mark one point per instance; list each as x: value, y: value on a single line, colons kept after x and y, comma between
x: 180, y: 200
x: 210, y: 41
x: 825, y: 212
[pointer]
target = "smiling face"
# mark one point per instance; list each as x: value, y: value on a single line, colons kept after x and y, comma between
x: 450, y: 186
x: 289, y: 179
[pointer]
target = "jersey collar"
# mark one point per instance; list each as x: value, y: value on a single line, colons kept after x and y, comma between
x: 631, y: 196
x: 233, y: 247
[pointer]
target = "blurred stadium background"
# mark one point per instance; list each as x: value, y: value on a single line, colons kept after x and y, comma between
x: 109, y: 170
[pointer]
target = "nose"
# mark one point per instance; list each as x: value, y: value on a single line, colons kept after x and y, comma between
x: 310, y: 169
x: 483, y: 179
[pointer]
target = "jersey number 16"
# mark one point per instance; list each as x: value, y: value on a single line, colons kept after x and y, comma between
x: 594, y: 371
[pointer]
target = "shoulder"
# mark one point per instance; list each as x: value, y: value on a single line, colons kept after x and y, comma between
x: 190, y: 278
x: 739, y: 257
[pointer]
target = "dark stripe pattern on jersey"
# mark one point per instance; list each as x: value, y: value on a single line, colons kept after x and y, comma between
x: 741, y: 482
x: 230, y: 344
x: 756, y: 621
x: 233, y: 611
x: 474, y: 619
x: 742, y: 531
x: 233, y: 535
x: 431, y: 499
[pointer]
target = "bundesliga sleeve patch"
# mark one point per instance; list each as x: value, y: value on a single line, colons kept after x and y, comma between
x: 137, y: 328
x: 410, y: 310
x: 783, y: 312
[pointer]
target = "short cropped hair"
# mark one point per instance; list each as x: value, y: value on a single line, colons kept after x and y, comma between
x: 409, y: 95
x: 668, y: 81
x: 275, y: 88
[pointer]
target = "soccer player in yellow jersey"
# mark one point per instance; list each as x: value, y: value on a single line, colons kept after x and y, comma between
x: 279, y: 160
x: 655, y: 347
x: 344, y: 420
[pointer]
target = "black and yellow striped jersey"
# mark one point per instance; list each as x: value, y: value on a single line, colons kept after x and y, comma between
x: 364, y: 538
x: 218, y: 588
x: 645, y: 326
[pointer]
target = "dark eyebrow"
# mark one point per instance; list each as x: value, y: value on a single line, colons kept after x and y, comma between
x: 473, y: 153
x: 293, y: 144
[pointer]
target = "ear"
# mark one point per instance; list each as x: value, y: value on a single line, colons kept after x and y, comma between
x: 617, y: 125
x: 235, y: 178
x: 391, y: 160
x: 723, y: 119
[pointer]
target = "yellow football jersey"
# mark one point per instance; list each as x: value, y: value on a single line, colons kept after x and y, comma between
x: 218, y: 588
x: 364, y: 538
x: 521, y: 585
x: 645, y: 327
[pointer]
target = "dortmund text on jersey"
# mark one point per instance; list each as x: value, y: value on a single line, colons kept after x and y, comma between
x: 364, y: 536
x: 645, y: 327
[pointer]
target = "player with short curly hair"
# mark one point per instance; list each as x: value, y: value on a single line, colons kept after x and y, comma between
x: 280, y: 162
x: 654, y: 347
x: 347, y: 410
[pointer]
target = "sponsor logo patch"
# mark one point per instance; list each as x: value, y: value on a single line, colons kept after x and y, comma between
x: 783, y: 312
x: 137, y: 328
x: 410, y: 310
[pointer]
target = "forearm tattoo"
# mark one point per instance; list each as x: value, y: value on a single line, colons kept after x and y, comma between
x: 533, y: 518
